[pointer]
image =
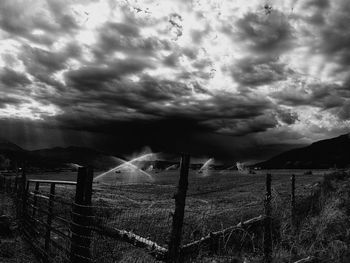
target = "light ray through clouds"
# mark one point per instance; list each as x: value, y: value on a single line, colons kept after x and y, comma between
x: 243, y: 68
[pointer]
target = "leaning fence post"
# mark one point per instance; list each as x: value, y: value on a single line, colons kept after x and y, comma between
x: 81, y: 217
x: 267, y: 223
x: 49, y: 218
x: 292, y: 202
x: 35, y: 201
x: 178, y: 217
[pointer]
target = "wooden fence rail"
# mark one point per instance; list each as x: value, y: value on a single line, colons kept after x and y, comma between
x: 152, y: 248
x: 193, y: 247
x: 308, y: 259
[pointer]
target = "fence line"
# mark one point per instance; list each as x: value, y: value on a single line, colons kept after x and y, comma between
x: 62, y: 228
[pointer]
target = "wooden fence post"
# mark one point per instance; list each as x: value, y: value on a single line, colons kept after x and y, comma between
x: 8, y: 185
x: 81, y: 217
x: 267, y: 223
x: 15, y: 188
x: 1, y: 182
x: 24, y: 193
x: 35, y: 201
x: 49, y: 218
x: 16, y: 178
x: 292, y: 202
x: 178, y: 217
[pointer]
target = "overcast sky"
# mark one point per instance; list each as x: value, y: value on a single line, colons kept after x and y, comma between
x: 238, y: 78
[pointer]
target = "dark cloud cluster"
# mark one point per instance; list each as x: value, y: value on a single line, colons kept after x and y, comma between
x: 125, y: 38
x: 327, y: 27
x: 114, y: 91
x: 41, y: 63
x: 344, y: 112
x: 253, y: 71
x: 21, y: 19
x: 267, y: 36
x: 324, y: 96
x: 265, y: 33
x: 8, y: 100
x: 11, y: 79
x: 321, y: 4
x: 338, y: 48
x: 97, y: 99
x: 93, y: 77
x: 243, y: 126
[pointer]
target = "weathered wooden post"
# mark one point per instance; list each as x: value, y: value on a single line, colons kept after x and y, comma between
x: 3, y: 186
x: 11, y: 185
x: 15, y: 187
x: 3, y: 179
x: 4, y: 182
x: 24, y: 192
x: 267, y: 223
x: 35, y: 201
x: 292, y: 202
x: 8, y: 185
x: 178, y: 217
x: 49, y: 218
x: 1, y: 182
x: 81, y: 217
x: 16, y: 179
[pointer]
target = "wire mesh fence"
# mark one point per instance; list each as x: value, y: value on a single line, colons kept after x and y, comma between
x: 143, y: 210
x: 47, y: 218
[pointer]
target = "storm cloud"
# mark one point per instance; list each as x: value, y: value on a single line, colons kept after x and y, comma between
x: 177, y: 70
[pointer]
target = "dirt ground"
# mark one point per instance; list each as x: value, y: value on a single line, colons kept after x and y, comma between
x: 12, y: 248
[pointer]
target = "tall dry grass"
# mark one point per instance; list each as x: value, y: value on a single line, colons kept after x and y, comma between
x: 322, y: 228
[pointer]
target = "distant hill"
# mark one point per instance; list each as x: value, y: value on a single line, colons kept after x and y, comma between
x: 9, y: 150
x: 58, y: 156
x: 7, y: 146
x: 328, y: 153
x: 55, y: 157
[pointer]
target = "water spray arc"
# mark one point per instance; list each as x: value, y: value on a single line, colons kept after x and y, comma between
x: 205, y: 167
x: 129, y: 164
x: 172, y: 167
x: 74, y: 165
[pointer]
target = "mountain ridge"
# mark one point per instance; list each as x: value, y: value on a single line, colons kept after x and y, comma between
x: 328, y: 153
x: 56, y: 156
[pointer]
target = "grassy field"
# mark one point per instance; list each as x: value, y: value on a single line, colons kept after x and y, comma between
x: 12, y: 247
x: 215, y: 201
